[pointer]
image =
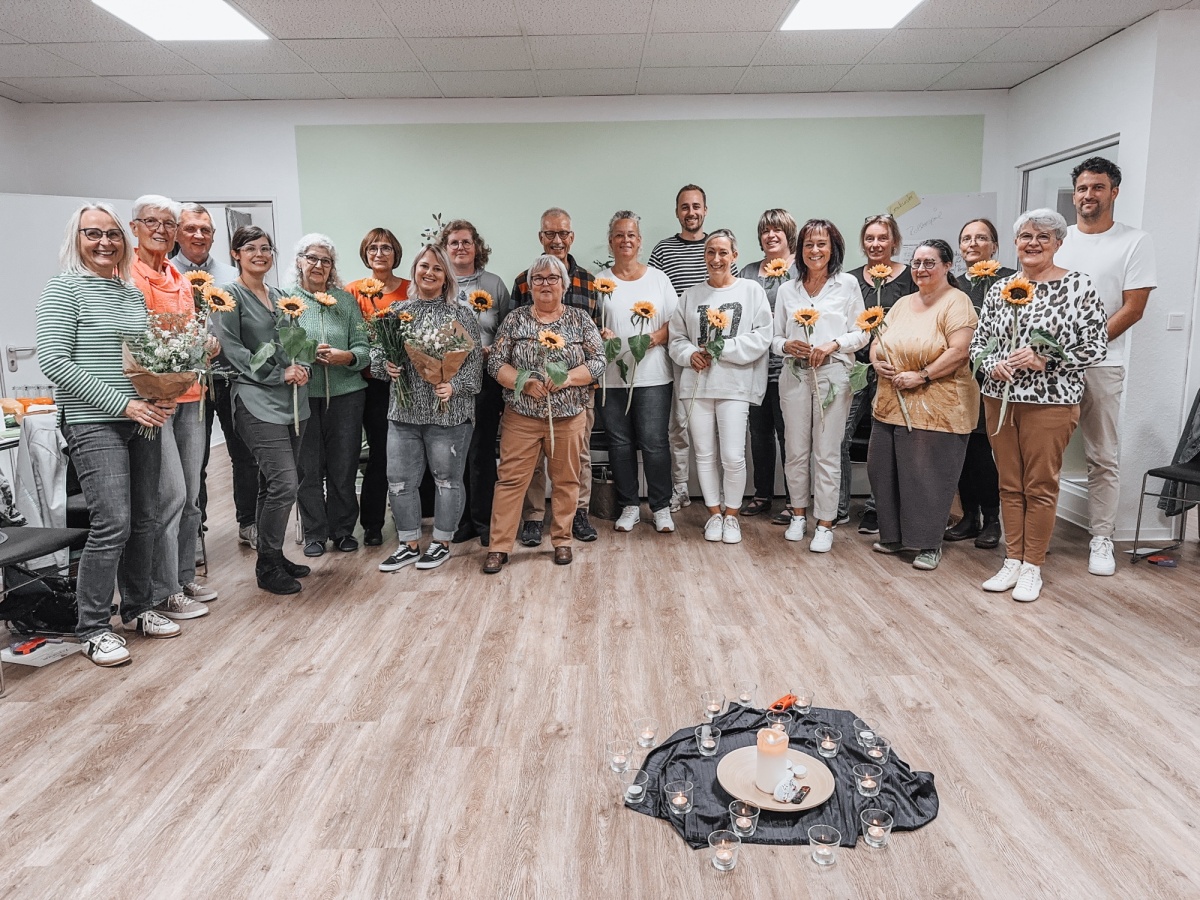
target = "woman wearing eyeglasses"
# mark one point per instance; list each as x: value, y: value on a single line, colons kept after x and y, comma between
x: 83, y: 317
x: 333, y: 439
x: 380, y: 251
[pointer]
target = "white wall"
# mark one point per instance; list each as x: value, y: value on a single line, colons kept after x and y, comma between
x: 12, y: 156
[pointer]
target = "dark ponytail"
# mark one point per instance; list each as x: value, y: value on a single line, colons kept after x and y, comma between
x: 945, y: 253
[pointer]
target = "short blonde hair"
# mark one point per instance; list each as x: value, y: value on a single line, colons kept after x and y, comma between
x: 70, y: 257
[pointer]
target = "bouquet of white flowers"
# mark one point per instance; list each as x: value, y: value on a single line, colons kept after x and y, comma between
x: 164, y: 363
x: 438, y: 353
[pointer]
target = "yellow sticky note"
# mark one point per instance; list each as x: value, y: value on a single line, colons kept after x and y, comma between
x: 904, y: 204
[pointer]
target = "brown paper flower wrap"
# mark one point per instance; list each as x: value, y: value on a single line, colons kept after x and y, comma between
x: 154, y: 385
x: 437, y: 370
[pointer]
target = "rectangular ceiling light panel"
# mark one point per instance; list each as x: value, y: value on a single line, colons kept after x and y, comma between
x: 184, y: 20
x: 847, y: 15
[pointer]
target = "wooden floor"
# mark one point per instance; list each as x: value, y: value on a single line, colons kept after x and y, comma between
x: 439, y: 734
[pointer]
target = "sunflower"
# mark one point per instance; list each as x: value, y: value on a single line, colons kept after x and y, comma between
x: 481, y: 301
x: 403, y: 316
x: 869, y: 319
x: 551, y: 340
x: 806, y: 318
x: 1018, y: 291
x: 293, y: 307
x: 370, y: 287
x: 325, y: 299
x: 199, y: 279
x: 777, y: 268
x: 985, y: 268
x: 217, y: 299
x: 879, y: 272
x: 644, y: 309
x: 605, y: 286
x: 717, y: 319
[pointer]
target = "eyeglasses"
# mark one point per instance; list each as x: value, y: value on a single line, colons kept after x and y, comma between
x: 551, y: 235
x: 265, y: 251
x: 380, y: 250
x: 882, y: 217
x: 925, y: 263
x: 158, y: 224
x: 546, y: 279
x: 977, y: 239
x: 1025, y: 237
x: 317, y: 262
x: 197, y: 231
x: 115, y: 235
x: 459, y: 245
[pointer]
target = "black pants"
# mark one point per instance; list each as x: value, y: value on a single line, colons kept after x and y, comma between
x: 480, y: 477
x: 979, y: 485
x: 373, y: 496
x: 245, y: 469
x: 766, y: 431
x: 329, y: 465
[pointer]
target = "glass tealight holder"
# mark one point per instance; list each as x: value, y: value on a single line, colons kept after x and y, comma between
x: 743, y: 692
x: 708, y: 739
x: 865, y: 731
x: 724, y: 846
x: 829, y: 741
x: 678, y: 797
x: 868, y: 779
x: 803, y: 702
x: 633, y: 785
x: 876, y: 827
x: 618, y: 754
x: 780, y: 721
x: 711, y: 704
x: 879, y: 750
x: 743, y: 818
x: 645, y: 732
x: 824, y: 840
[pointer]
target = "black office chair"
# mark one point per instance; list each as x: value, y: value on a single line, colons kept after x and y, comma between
x: 1183, y: 474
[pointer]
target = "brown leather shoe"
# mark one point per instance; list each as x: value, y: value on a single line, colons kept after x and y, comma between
x: 563, y: 556
x: 494, y: 563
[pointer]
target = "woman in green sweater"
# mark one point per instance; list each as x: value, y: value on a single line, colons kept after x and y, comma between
x: 332, y: 442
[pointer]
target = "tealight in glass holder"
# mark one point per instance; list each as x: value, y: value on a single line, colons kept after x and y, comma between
x: 633, y: 785
x: 678, y: 797
x: 645, y: 731
x: 711, y: 704
x: 743, y: 692
x: 868, y: 779
x: 724, y: 846
x: 780, y: 721
x: 829, y: 741
x: 879, y: 750
x: 876, y: 827
x: 618, y: 754
x: 865, y: 731
x: 824, y: 840
x: 743, y: 818
x: 708, y: 739
x: 804, y: 700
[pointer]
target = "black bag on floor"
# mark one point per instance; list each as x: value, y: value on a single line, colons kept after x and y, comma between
x: 34, y: 603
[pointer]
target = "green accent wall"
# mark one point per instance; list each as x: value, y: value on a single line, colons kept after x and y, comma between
x: 502, y: 177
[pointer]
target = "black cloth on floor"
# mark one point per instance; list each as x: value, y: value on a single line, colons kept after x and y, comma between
x: 909, y: 796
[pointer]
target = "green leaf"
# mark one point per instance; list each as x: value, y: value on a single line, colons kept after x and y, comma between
x: 829, y: 395
x: 557, y: 371
x: 623, y: 368
x: 716, y: 346
x: 987, y: 351
x: 858, y: 376
x: 297, y: 344
x: 793, y: 365
x: 1046, y: 344
x: 638, y: 345
x: 612, y: 349
x: 261, y: 355
x: 522, y: 377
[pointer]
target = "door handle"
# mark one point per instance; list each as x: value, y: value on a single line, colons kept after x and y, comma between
x: 11, y: 352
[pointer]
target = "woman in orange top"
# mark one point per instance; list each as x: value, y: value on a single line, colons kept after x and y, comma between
x: 155, y: 220
x: 380, y: 252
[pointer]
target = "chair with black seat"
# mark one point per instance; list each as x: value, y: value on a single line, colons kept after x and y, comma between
x: 1180, y: 490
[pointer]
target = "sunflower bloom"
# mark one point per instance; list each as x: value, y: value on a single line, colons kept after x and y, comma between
x: 644, y: 309
x: 869, y: 319
x: 370, y: 287
x: 806, y: 318
x: 293, y: 307
x: 551, y: 340
x: 199, y: 279
x: 1018, y: 292
x: 985, y: 268
x: 217, y: 299
x: 605, y: 286
x: 879, y: 272
x: 402, y: 316
x: 324, y: 299
x: 717, y: 319
x: 777, y: 268
x: 481, y: 301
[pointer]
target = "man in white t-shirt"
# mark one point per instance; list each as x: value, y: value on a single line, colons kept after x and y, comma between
x: 1120, y: 262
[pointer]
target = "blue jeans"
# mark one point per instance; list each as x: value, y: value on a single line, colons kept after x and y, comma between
x: 647, y: 423
x: 276, y: 449
x: 409, y: 449
x: 118, y: 472
x: 329, y: 465
x: 178, y: 519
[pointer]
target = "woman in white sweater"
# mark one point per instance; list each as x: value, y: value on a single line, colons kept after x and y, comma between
x: 724, y: 382
x: 814, y: 388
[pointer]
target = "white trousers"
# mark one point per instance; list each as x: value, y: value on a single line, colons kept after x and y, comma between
x: 719, y: 427
x: 812, y: 460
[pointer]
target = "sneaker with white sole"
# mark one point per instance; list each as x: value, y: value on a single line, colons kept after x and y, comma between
x: 796, y: 529
x: 435, y: 554
x: 1006, y: 578
x: 106, y: 649
x: 404, y: 556
x: 822, y: 541
x: 731, y: 530
x: 713, y: 527
x: 1100, y: 559
x: 1029, y: 583
x: 680, y: 498
x: 181, y: 606
x: 630, y: 516
x: 248, y: 535
x: 153, y: 624
x: 663, y: 523
x: 199, y: 592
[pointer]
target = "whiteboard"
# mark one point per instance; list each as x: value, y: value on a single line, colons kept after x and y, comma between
x: 943, y: 216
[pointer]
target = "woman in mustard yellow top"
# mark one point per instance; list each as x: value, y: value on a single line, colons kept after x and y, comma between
x: 925, y: 407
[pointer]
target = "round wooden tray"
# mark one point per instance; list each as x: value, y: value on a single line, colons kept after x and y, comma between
x: 736, y: 772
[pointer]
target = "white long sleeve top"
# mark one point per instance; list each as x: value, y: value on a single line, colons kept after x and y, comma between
x: 839, y: 302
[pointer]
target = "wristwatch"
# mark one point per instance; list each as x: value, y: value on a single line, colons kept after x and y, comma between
x: 924, y: 373
x: 1051, y: 364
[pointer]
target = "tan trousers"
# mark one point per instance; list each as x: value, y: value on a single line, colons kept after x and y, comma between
x: 524, y: 442
x: 533, y: 509
x: 1099, y: 412
x: 1029, y: 450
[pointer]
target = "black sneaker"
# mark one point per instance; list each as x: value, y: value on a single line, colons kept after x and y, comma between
x: 347, y: 543
x: 314, y: 548
x: 869, y: 523
x: 582, y: 528
x: 531, y: 533
x: 404, y: 556
x: 435, y: 554
x: 372, y: 537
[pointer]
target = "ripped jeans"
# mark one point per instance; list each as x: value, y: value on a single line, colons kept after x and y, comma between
x: 410, y: 448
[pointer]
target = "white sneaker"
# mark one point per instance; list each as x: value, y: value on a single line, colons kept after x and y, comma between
x: 199, y: 592
x: 822, y: 541
x: 1029, y: 583
x: 630, y: 516
x: 154, y: 625
x: 106, y: 649
x: 713, y: 527
x: 1100, y: 560
x: 1006, y: 578
x: 731, y: 530
x: 796, y: 528
x: 180, y: 606
x: 680, y: 498
x: 663, y: 523
x: 248, y: 535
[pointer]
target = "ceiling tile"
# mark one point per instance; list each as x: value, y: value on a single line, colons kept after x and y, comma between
x: 356, y: 55
x: 689, y: 80
x: 241, y: 57
x: 1043, y: 44
x: 486, y: 84
x: 974, y: 14
x: 894, y: 77
x: 979, y: 76
x: 320, y: 19
x: 811, y: 48
x: 6, y: 38
x: 911, y: 45
x: 594, y: 17
x: 91, y: 89
x: 123, y: 58
x: 586, y: 82
x: 1119, y: 13
x: 593, y: 51
x: 687, y: 15
x: 674, y: 50
x: 178, y: 87
x: 25, y: 60
x: 63, y: 20
x: 283, y: 87
x: 21, y: 96
x: 471, y: 54
x: 790, y: 79
x: 454, y: 18
x: 384, y: 85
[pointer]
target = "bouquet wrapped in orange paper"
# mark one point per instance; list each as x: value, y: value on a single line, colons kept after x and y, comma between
x: 437, y: 354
